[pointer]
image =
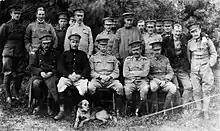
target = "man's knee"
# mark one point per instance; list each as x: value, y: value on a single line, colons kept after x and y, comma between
x: 119, y: 88
x: 128, y: 91
x: 91, y: 87
x: 153, y: 86
x: 171, y: 88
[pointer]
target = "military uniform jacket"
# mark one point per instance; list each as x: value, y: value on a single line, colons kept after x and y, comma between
x: 34, y: 31
x: 160, y: 68
x: 61, y: 37
x: 104, y: 65
x: 176, y: 61
x: 74, y: 61
x: 135, y: 69
x: 201, y: 53
x: 44, y: 62
x: 12, y: 39
x: 125, y: 36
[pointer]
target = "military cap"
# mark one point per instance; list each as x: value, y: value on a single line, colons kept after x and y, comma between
x: 156, y: 44
x: 46, y: 38
x: 159, y: 22
x: 108, y: 19
x: 103, y: 39
x: 168, y: 21
x: 16, y: 9
x: 141, y: 22
x: 63, y: 15
x: 128, y: 15
x: 135, y: 44
x: 40, y: 9
x: 193, y: 25
x: 81, y: 10
x: 150, y: 22
x: 74, y: 35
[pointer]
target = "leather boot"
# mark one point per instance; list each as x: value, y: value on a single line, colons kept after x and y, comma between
x: 129, y: 108
x: 206, y: 102
x: 6, y: 84
x: 60, y: 115
x: 154, y: 99
x: 118, y: 104
x: 167, y: 102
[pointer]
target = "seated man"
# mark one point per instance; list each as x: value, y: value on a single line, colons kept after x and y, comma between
x: 43, y: 65
x: 135, y: 71
x: 75, y: 68
x: 161, y: 74
x: 105, y: 71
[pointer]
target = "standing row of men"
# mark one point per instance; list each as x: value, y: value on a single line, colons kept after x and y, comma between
x: 130, y: 54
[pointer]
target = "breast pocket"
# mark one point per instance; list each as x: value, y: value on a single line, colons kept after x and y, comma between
x: 110, y: 65
x: 98, y: 65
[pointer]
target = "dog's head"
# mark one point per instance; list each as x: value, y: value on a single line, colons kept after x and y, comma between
x: 84, y: 106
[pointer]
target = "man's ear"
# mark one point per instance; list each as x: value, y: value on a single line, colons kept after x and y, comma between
x: 80, y: 104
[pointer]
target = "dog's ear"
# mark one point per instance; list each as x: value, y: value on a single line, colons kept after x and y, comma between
x: 80, y: 104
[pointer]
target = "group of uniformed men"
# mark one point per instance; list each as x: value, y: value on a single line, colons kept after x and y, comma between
x: 155, y: 55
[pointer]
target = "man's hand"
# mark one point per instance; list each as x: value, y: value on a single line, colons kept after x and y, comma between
x: 71, y: 77
x: 77, y: 77
x: 43, y: 74
x: 49, y: 74
x: 162, y: 83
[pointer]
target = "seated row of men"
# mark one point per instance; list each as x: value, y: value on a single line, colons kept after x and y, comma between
x: 140, y: 73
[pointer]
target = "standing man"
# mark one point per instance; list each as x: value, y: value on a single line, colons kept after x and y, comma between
x: 75, y: 68
x: 141, y: 26
x: 37, y: 29
x: 12, y: 50
x: 115, y: 25
x: 107, y: 33
x: 135, y: 71
x: 86, y: 41
x: 126, y: 35
x: 159, y: 26
x: 105, y: 71
x: 202, y: 56
x: 43, y: 66
x: 161, y: 74
x: 176, y: 50
x: 72, y: 20
x: 167, y: 26
x: 150, y: 37
x: 61, y: 30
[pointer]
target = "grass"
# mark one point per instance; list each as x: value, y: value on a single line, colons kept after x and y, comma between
x: 18, y: 119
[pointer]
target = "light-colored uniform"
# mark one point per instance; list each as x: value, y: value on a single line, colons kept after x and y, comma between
x: 104, y: 65
x: 150, y: 38
x: 202, y: 56
x: 34, y: 31
x: 86, y: 41
x: 135, y: 72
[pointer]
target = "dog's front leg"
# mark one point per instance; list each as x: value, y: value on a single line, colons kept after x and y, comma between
x: 83, y: 121
x: 76, y: 121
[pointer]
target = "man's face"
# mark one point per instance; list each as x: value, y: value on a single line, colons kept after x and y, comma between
x: 62, y: 23
x: 159, y: 28
x: 72, y: 22
x: 15, y: 15
x: 157, y: 51
x: 103, y: 46
x: 150, y: 29
x: 136, y: 52
x: 108, y: 26
x: 74, y: 42
x: 195, y: 33
x: 128, y: 22
x: 46, y: 45
x: 177, y: 31
x: 79, y: 16
x: 40, y: 15
x: 140, y: 26
x: 167, y: 28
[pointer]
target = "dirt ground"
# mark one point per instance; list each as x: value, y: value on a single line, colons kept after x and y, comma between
x: 18, y: 119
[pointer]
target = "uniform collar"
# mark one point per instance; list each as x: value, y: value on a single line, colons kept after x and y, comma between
x: 158, y: 58
x: 79, y: 25
x: 137, y: 59
x: 40, y: 22
x: 106, y: 32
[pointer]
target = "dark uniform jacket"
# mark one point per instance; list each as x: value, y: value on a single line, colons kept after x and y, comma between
x: 61, y: 37
x: 44, y: 62
x: 176, y: 61
x: 74, y: 61
x: 12, y: 39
